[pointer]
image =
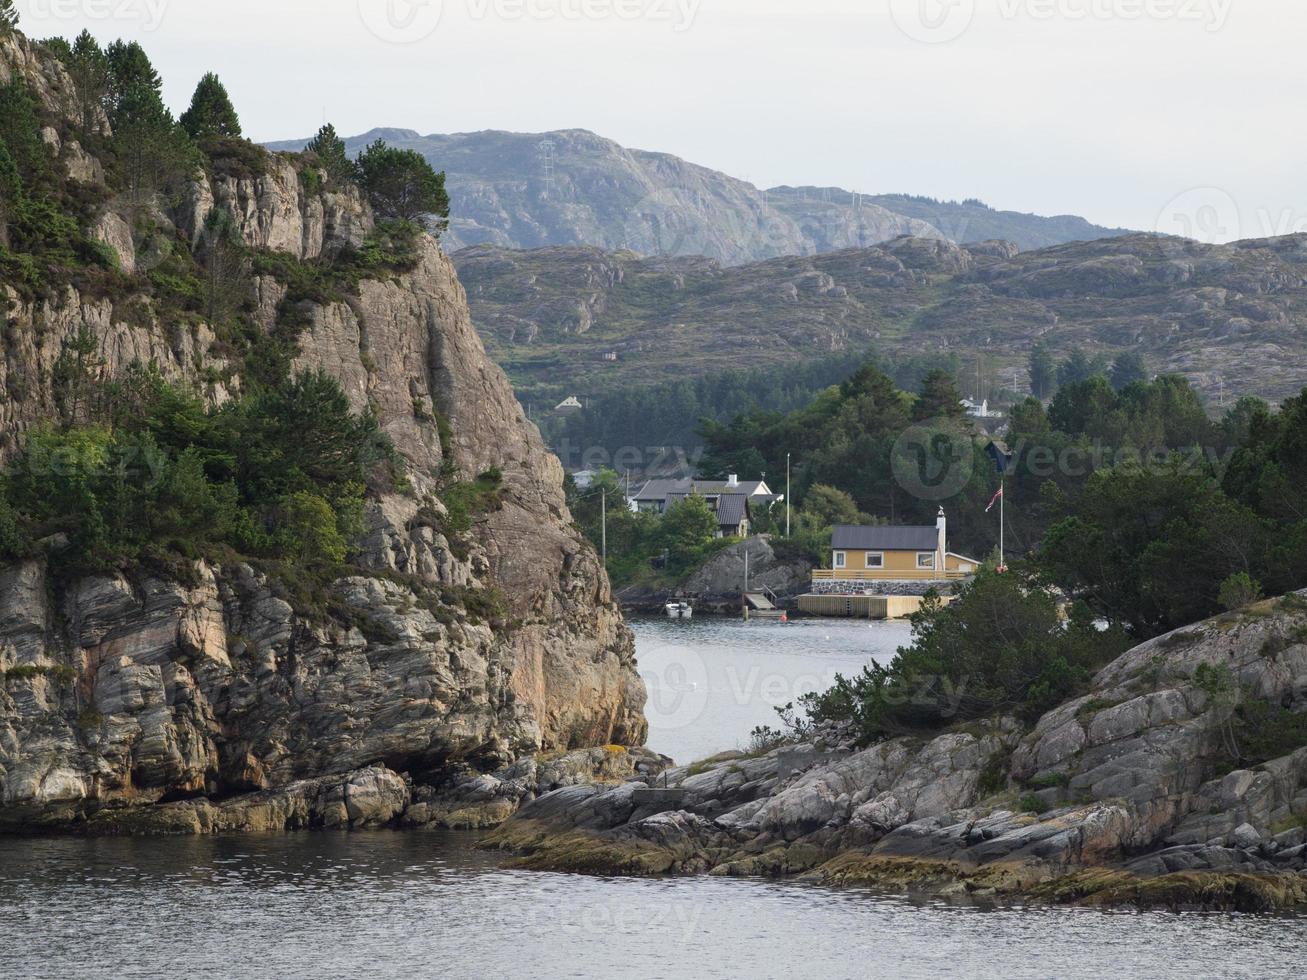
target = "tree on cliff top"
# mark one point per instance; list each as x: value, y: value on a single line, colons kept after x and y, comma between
x: 402, y: 186
x: 329, y: 148
x: 8, y: 17
x: 211, y: 113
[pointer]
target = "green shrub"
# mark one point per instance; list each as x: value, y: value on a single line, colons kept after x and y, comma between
x: 1001, y: 648
x: 1030, y: 803
x: 279, y: 473
x: 1239, y: 591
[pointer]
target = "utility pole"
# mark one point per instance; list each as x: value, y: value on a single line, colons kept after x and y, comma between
x: 744, y: 598
x: 787, y: 495
x: 603, y: 510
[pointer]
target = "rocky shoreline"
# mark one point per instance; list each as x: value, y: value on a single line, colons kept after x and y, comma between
x: 1121, y: 797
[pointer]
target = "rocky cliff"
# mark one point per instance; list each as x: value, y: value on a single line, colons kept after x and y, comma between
x: 1146, y: 790
x: 573, y: 187
x: 125, y: 692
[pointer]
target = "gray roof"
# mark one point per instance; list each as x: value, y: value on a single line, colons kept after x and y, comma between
x: 666, y: 489
x: 851, y: 537
x: 732, y: 509
x: 662, y: 489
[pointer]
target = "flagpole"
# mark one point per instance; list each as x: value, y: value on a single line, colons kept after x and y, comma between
x: 1002, y: 524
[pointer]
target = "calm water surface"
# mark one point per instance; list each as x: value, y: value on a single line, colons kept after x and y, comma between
x: 712, y: 680
x: 428, y: 905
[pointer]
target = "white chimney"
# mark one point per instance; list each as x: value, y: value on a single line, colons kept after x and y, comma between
x: 733, y: 480
x: 941, y: 524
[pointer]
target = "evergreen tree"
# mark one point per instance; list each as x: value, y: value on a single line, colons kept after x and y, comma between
x: 1043, y: 372
x: 153, y: 152
x: 329, y: 148
x: 402, y: 186
x: 88, y: 65
x: 8, y: 18
x: 1080, y: 367
x: 939, y: 399
x: 20, y: 133
x: 226, y: 280
x: 1128, y: 368
x: 211, y: 114
x: 11, y: 193
x: 131, y: 77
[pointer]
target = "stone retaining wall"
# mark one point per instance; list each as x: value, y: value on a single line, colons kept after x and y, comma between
x: 827, y: 587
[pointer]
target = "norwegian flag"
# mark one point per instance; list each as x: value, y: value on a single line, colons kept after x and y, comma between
x: 997, y: 497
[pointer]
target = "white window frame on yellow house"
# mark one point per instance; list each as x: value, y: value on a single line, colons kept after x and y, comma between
x: 875, y: 560
x: 926, y: 560
x: 841, y: 560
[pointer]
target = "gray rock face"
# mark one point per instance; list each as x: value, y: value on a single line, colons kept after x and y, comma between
x: 724, y: 572
x: 1133, y: 780
x: 123, y: 692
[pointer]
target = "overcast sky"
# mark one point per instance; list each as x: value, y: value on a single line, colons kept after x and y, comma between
x: 1155, y: 114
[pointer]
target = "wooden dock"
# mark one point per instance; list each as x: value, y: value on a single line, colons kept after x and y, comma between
x: 861, y: 606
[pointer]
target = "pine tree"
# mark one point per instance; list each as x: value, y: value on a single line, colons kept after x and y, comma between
x: 130, y: 74
x: 402, y: 185
x: 153, y: 152
x: 8, y: 18
x: 211, y: 114
x: 330, y: 150
x: 1128, y: 368
x: 88, y: 65
x: 11, y: 193
x: 940, y: 398
x: 1080, y: 367
x: 1043, y: 372
x: 224, y: 271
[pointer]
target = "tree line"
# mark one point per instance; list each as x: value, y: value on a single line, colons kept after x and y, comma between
x: 149, y: 158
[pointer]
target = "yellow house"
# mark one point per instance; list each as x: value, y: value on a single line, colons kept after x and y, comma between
x: 894, y: 554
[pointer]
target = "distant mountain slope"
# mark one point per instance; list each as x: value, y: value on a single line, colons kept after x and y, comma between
x: 1233, y: 318
x: 530, y: 190
x: 975, y: 221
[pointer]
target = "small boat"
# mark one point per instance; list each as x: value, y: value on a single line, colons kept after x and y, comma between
x: 679, y: 610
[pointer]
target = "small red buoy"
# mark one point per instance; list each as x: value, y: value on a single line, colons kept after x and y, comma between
x: 785, y: 617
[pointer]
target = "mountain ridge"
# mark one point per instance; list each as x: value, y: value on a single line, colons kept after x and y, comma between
x: 1232, y: 318
x: 575, y: 187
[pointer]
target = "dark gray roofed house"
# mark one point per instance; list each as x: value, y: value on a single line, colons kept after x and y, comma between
x: 733, y: 515
x: 732, y: 510
x: 847, y: 537
x: 658, y: 495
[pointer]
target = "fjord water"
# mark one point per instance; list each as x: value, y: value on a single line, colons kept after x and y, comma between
x: 428, y: 904
x: 712, y: 680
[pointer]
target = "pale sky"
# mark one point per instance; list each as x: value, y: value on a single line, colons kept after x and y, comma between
x: 1151, y: 114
